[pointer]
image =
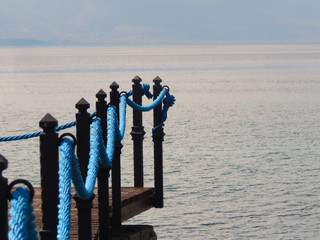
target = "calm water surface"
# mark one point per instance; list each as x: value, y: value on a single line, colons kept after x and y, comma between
x: 241, y: 151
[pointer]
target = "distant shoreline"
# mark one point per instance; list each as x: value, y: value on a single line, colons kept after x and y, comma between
x: 25, y: 42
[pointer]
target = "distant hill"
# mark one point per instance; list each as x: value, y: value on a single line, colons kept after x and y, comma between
x: 22, y: 42
x: 34, y: 42
x: 25, y: 42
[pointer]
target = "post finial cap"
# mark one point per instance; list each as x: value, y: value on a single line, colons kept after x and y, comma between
x: 114, y: 86
x: 48, y: 121
x: 136, y: 80
x: 157, y: 80
x: 101, y: 95
x: 82, y: 104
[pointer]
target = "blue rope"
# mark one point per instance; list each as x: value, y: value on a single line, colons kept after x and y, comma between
x: 150, y: 106
x: 122, y: 117
x: 108, y: 152
x: 145, y: 88
x: 69, y: 167
x: 168, y: 102
x: 20, y: 137
x: 98, y: 152
x: 65, y: 126
x: 21, y: 223
x: 35, y: 134
x: 64, y: 189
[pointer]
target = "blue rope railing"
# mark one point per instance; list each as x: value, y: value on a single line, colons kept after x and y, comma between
x: 99, y: 153
x: 69, y: 167
x: 35, y: 134
x: 168, y: 101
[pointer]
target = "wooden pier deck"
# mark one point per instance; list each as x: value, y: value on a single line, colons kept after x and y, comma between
x: 134, y: 200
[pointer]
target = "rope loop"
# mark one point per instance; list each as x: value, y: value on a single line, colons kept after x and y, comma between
x: 167, y: 87
x: 123, y: 92
x: 70, y: 135
x: 20, y: 181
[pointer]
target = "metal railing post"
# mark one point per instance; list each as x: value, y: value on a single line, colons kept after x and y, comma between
x: 83, y: 148
x: 116, y: 166
x: 49, y: 166
x: 137, y: 133
x: 157, y: 137
x: 3, y: 200
x: 103, y: 172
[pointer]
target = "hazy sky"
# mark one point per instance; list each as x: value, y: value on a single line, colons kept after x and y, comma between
x: 170, y: 21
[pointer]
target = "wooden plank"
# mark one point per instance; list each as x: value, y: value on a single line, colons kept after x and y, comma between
x: 133, y: 202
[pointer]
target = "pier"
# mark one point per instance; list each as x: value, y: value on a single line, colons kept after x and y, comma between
x: 133, y: 202
x: 97, y: 204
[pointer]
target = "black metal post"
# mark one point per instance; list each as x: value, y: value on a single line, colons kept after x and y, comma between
x: 83, y: 147
x: 3, y: 200
x: 83, y: 121
x: 116, y: 167
x: 49, y: 167
x: 137, y: 133
x: 157, y: 137
x: 103, y: 173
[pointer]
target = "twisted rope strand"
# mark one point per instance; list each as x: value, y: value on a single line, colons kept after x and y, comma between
x: 150, y: 106
x: 64, y: 189
x: 20, y: 137
x: 122, y: 117
x: 21, y: 223
x: 35, y: 134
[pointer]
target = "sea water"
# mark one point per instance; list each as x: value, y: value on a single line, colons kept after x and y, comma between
x: 242, y: 144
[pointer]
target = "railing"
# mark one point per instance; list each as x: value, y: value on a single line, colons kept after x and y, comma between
x: 19, y: 203
x: 49, y: 164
